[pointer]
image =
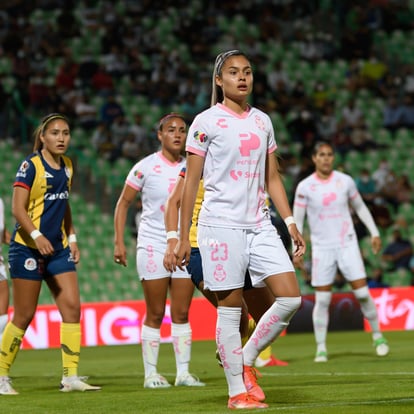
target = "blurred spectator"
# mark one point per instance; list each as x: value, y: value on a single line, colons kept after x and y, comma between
x: 366, y: 186
x: 393, y: 114
x: 397, y: 254
x: 102, y: 81
x: 373, y: 71
x: 375, y: 279
x: 276, y: 76
x: 351, y: 116
x: 361, y: 138
x: 382, y: 175
x: 327, y: 122
x: 67, y: 73
x: 407, y: 118
x: 86, y: 112
x: 110, y: 109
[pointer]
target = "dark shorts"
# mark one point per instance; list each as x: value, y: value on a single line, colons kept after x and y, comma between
x: 195, y: 269
x: 27, y: 263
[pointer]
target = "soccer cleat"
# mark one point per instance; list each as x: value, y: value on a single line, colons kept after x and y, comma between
x: 271, y: 362
x: 381, y: 346
x: 5, y: 387
x: 75, y: 383
x: 188, y: 380
x: 156, y: 381
x: 244, y: 401
x: 250, y: 375
x: 321, y: 356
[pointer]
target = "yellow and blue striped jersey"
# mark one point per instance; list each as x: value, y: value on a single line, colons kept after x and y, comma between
x: 48, y: 199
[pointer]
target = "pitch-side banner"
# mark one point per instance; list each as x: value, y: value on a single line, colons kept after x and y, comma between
x: 119, y: 323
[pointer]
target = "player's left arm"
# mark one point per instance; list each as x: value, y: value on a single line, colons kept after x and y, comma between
x: 70, y: 232
x: 365, y: 216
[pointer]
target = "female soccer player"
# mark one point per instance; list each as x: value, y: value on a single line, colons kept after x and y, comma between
x: 324, y: 197
x: 43, y: 247
x: 231, y: 145
x: 256, y: 300
x: 155, y: 177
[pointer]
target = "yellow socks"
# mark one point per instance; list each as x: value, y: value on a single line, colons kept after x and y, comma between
x: 10, y: 345
x: 70, y: 341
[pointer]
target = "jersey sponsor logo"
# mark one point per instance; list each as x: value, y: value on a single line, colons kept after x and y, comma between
x: 221, y: 123
x: 328, y: 199
x: 250, y: 143
x: 30, y: 264
x: 56, y: 196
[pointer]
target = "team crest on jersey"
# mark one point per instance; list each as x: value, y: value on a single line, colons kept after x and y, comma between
x: 30, y: 264
x: 201, y: 137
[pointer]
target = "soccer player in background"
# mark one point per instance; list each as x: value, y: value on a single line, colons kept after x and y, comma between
x: 324, y: 198
x: 154, y: 177
x: 43, y: 247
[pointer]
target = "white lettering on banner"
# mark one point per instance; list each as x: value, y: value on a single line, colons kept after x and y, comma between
x: 388, y: 309
x: 130, y: 330
x: 89, y: 319
x: 38, y: 337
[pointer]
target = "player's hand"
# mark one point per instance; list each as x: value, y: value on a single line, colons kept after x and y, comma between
x: 298, y: 241
x: 182, y: 253
x: 44, y: 246
x: 170, y: 260
x: 120, y: 255
x: 74, y: 250
x: 376, y: 244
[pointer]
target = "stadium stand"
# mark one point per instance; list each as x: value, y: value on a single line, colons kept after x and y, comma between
x: 164, y: 64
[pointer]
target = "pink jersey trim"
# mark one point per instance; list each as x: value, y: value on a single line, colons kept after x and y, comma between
x: 195, y: 151
x: 244, y: 115
x: 161, y: 155
x: 131, y: 184
x: 321, y: 180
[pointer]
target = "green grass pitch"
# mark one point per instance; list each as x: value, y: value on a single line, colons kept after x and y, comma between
x: 354, y: 380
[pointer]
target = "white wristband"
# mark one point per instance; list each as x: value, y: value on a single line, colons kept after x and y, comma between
x: 35, y: 234
x: 172, y: 235
x: 289, y: 220
x: 72, y: 238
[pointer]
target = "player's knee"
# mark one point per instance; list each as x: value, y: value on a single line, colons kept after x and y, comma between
x: 362, y: 294
x: 323, y: 299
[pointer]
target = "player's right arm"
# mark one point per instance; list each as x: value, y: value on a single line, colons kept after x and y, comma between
x: 171, y: 213
x: 193, y: 175
x: 126, y: 198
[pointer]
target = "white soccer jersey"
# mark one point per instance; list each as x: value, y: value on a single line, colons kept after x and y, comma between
x: 155, y: 177
x: 234, y: 147
x: 327, y: 208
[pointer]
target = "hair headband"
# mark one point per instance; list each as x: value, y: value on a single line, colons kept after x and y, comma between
x: 222, y: 57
